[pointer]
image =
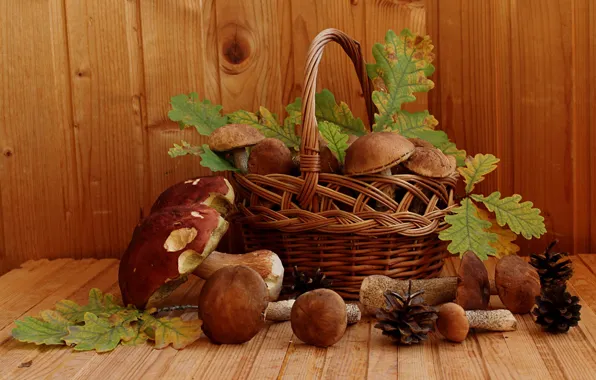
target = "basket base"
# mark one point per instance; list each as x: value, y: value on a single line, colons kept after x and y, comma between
x: 348, y: 259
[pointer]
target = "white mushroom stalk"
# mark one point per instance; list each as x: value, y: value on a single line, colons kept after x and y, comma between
x: 266, y: 263
x: 281, y: 311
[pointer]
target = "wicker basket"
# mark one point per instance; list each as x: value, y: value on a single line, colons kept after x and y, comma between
x: 329, y: 220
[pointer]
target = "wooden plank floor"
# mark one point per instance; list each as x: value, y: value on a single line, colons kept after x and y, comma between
x: 527, y: 353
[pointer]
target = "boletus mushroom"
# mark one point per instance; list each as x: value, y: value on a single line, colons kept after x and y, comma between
x: 518, y: 284
x: 454, y: 322
x: 235, y: 138
x: 270, y: 156
x: 231, y: 307
x: 473, y: 287
x: 215, y: 192
x: 430, y: 162
x: 165, y: 247
x: 377, y: 153
x: 330, y: 163
x: 319, y: 317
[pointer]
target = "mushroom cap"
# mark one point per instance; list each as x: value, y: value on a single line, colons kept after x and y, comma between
x: 234, y: 136
x: 232, y: 305
x: 473, y: 286
x: 452, y: 322
x: 214, y: 192
x: 319, y: 317
x: 165, y: 247
x: 329, y: 163
x: 431, y: 162
x: 420, y: 143
x: 270, y: 156
x: 517, y: 283
x: 375, y: 152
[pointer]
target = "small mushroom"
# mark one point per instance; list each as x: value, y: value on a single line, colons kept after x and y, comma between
x: 215, y: 192
x: 518, y: 284
x: 420, y: 143
x: 377, y: 153
x: 454, y: 322
x: 319, y: 317
x: 270, y: 156
x: 473, y: 287
x: 232, y: 305
x: 234, y: 138
x: 431, y: 162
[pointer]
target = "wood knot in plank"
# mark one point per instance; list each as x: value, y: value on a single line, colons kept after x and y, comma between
x: 236, y: 48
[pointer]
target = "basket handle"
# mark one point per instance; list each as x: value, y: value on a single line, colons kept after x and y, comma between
x: 310, y: 165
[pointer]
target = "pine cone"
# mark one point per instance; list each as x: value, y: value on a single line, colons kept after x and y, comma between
x: 557, y: 310
x: 406, y: 319
x: 305, y: 282
x: 550, y: 266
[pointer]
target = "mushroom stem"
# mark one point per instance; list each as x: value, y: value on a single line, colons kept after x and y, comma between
x: 240, y: 159
x: 266, y: 263
x: 492, y: 320
x: 281, y: 311
x: 436, y: 290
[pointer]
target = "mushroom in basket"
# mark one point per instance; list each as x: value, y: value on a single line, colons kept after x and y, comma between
x: 235, y: 138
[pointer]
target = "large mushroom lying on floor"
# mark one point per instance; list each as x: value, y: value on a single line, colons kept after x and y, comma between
x: 177, y: 240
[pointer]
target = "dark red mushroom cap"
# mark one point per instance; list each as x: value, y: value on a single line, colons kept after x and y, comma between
x: 165, y: 247
x: 215, y: 192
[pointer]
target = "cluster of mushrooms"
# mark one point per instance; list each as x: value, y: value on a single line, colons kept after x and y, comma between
x: 179, y: 238
x: 373, y: 153
x: 465, y: 298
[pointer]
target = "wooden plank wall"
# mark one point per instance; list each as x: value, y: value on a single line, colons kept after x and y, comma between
x: 85, y: 87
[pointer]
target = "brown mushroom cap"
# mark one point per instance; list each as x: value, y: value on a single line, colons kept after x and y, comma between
x: 270, y: 156
x: 319, y: 317
x: 431, y: 162
x: 375, y: 152
x: 214, y: 192
x: 234, y: 136
x: 165, y: 247
x: 473, y: 286
x: 452, y: 322
x: 232, y: 305
x: 517, y: 283
x: 420, y: 143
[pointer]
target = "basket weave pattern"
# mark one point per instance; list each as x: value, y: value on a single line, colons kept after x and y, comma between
x: 332, y: 221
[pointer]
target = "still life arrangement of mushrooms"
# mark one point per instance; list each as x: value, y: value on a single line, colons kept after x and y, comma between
x: 244, y: 292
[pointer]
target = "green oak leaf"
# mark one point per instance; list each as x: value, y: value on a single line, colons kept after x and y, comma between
x: 476, y: 168
x: 326, y: 109
x: 98, y: 304
x: 214, y: 162
x: 267, y: 123
x: 337, y: 140
x: 450, y: 149
x: 99, y: 333
x: 403, y: 63
x: 408, y: 123
x: 183, y: 149
x: 188, y: 110
x: 50, y: 328
x: 167, y: 331
x: 294, y: 111
x: 521, y: 218
x: 468, y: 232
x: 137, y: 337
